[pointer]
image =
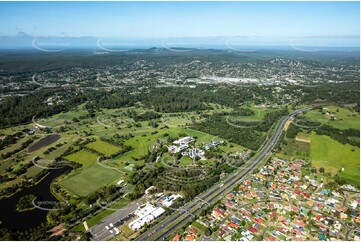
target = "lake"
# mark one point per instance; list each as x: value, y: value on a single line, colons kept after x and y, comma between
x: 22, y: 221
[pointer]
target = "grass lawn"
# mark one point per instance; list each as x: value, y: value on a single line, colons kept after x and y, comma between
x: 89, y: 179
x: 166, y: 159
x: 333, y: 156
x: 185, y: 161
x: 60, y: 118
x: 199, y: 226
x: 32, y: 171
x: 4, y: 164
x: 104, y: 147
x: 205, y: 162
x: 83, y: 157
x: 127, y: 232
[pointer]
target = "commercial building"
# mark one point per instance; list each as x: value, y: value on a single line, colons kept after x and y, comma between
x: 145, y: 216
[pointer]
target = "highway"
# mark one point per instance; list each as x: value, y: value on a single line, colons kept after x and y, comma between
x: 173, y: 222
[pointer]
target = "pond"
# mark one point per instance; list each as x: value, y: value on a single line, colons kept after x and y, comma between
x: 48, y: 140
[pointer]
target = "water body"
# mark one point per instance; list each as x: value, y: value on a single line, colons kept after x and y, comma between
x: 22, y: 221
x: 48, y: 140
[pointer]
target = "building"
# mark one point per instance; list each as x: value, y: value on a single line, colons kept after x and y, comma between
x: 213, y: 144
x: 167, y: 200
x: 175, y: 149
x: 184, y: 141
x: 193, y: 153
x: 145, y: 216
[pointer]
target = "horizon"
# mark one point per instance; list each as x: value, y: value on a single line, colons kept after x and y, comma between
x: 61, y: 25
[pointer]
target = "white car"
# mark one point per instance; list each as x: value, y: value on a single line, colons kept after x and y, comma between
x: 111, y: 225
x: 117, y: 231
x: 111, y: 231
x: 221, y: 185
x: 107, y: 227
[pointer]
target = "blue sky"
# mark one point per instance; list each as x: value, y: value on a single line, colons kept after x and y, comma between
x: 270, y: 21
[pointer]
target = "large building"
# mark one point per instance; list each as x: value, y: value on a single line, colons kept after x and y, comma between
x: 184, y: 141
x: 145, y: 216
x: 193, y: 153
x: 213, y: 144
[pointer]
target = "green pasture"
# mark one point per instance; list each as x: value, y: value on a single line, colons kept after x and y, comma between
x: 333, y: 156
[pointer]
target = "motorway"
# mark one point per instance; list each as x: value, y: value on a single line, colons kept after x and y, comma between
x: 173, y: 222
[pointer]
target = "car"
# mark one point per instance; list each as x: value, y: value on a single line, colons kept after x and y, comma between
x: 107, y: 227
x: 117, y: 231
x: 221, y: 185
x: 111, y: 225
x: 111, y: 231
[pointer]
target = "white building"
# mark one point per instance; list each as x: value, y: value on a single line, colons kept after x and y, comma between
x: 175, y: 149
x: 184, y: 140
x: 168, y: 200
x: 193, y: 153
x: 145, y: 216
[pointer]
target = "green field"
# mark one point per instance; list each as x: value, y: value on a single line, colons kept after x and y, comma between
x: 333, y: 156
x: 104, y: 147
x: 345, y: 119
x: 199, y: 226
x: 86, y: 180
x: 83, y: 157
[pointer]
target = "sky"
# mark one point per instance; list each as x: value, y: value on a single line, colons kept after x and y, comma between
x: 328, y: 23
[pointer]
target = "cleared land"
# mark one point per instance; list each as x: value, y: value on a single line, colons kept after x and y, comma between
x: 87, y: 180
x: 333, y: 156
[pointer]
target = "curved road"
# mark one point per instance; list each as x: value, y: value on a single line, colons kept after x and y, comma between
x: 173, y: 222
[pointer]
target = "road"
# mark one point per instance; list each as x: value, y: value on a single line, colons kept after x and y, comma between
x: 173, y: 222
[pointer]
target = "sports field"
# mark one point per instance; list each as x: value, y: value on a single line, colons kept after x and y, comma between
x: 104, y: 147
x: 89, y: 179
x: 83, y: 157
x: 333, y: 156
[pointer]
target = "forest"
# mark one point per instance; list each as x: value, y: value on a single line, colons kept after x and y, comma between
x: 20, y: 109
